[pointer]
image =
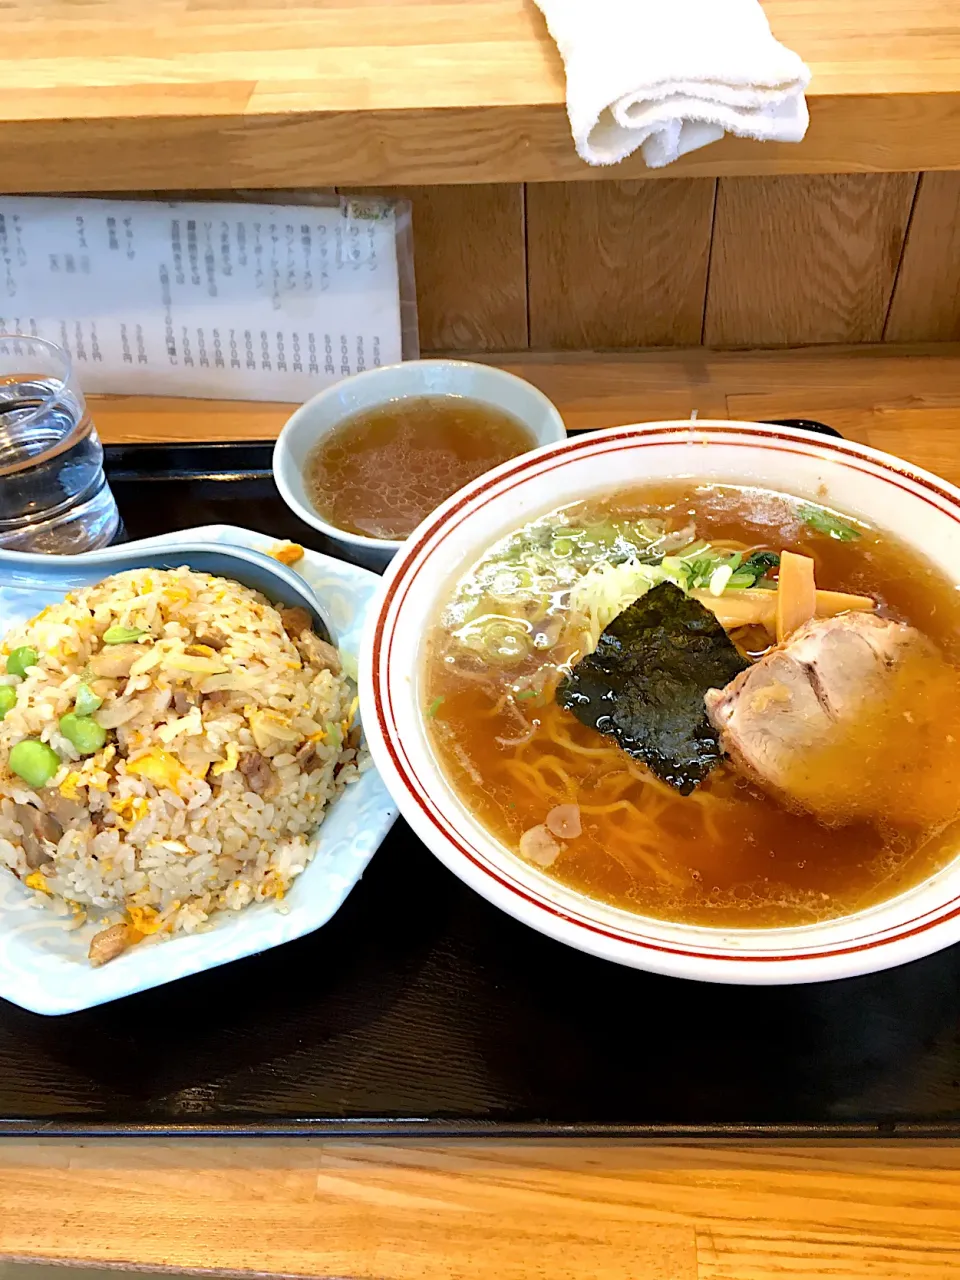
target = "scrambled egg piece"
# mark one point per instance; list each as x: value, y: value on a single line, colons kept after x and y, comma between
x: 146, y: 920
x: 37, y: 880
x: 286, y: 552
x: 130, y: 810
x: 68, y: 787
x: 228, y: 765
x: 159, y: 767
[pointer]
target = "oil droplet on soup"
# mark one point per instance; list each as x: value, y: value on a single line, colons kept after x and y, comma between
x: 381, y: 472
x: 730, y: 854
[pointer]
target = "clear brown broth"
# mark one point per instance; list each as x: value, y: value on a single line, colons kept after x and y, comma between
x: 730, y: 856
x: 384, y: 470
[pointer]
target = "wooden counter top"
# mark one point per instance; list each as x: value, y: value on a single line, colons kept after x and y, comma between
x: 176, y: 94
x: 487, y: 1210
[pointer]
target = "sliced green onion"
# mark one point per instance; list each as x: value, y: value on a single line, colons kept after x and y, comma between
x: 678, y: 571
x: 525, y: 693
x: 701, y: 571
x: 499, y: 640
x: 86, y: 701
x: 719, y: 579
x: 822, y: 521
x: 646, y: 531
x: 601, y: 535
x: 122, y: 635
x: 434, y: 707
x: 692, y: 551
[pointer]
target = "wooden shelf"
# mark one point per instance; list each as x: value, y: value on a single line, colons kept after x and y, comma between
x: 109, y: 95
x: 905, y: 400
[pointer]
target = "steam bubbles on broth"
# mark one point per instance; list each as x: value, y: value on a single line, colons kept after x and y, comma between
x: 832, y: 785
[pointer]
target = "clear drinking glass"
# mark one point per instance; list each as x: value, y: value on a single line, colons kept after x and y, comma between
x: 54, y: 496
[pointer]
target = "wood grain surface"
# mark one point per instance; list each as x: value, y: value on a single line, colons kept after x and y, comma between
x: 618, y: 264
x: 624, y: 265
x: 805, y: 259
x: 106, y: 94
x: 488, y: 1211
x: 470, y: 259
x: 902, y: 399
x: 926, y: 301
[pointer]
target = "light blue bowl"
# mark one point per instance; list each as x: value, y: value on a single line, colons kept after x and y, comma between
x: 251, y: 568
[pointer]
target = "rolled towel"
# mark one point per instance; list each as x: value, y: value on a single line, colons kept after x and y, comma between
x: 670, y: 76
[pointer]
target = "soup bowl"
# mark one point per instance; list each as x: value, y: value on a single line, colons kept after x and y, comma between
x: 376, y: 388
x: 920, y: 509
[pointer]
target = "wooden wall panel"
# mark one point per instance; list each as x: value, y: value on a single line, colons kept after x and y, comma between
x: 747, y: 262
x: 926, y: 301
x: 470, y: 262
x: 618, y: 264
x: 805, y: 259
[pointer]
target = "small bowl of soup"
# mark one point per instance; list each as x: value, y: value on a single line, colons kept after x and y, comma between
x: 367, y: 460
x: 687, y: 696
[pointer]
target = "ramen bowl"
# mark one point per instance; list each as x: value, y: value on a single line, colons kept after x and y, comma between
x: 919, y: 509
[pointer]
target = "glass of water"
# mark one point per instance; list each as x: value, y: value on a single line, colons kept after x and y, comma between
x: 54, y: 496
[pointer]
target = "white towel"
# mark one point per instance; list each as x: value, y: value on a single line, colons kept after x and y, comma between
x: 673, y: 75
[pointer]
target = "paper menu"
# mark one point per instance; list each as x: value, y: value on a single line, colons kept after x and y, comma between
x: 239, y: 301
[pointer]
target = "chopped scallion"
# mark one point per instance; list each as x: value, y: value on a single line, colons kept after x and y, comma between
x: 822, y: 521
x: 85, y: 701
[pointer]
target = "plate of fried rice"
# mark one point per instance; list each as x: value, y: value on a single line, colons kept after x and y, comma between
x: 183, y: 779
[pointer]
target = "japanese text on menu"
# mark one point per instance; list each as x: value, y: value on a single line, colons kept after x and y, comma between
x: 233, y: 300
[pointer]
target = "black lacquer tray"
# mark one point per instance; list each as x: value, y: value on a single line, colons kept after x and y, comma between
x: 421, y: 1009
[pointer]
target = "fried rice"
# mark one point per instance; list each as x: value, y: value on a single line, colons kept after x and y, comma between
x: 228, y: 729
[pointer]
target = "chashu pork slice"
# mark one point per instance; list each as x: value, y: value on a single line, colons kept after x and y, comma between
x: 804, y: 696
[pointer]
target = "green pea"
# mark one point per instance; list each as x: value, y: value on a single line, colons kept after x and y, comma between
x: 86, y: 701
x: 84, y: 732
x: 8, y: 699
x: 122, y: 635
x: 20, y: 659
x: 34, y: 761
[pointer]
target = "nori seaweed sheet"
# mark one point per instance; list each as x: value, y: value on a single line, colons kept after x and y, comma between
x: 644, y: 684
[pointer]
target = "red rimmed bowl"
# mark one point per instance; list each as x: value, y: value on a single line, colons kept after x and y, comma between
x: 921, y: 509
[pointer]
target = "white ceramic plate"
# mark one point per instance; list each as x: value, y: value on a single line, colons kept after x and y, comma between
x: 44, y: 968
x: 885, y: 491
